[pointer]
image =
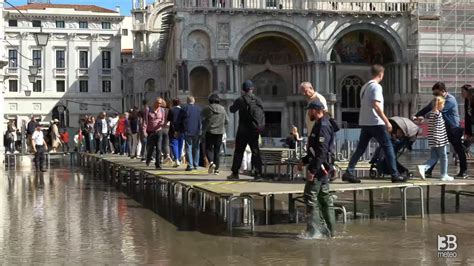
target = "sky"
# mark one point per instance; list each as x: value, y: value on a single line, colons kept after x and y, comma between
x: 125, y: 5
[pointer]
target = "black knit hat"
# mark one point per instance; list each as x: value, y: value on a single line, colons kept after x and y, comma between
x: 247, y: 85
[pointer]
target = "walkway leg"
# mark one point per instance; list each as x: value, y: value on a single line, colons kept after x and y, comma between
x: 443, y: 194
x: 354, y: 194
x: 371, y: 202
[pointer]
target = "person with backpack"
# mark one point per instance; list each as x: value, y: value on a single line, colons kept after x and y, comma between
x: 251, y: 125
x: 320, y: 216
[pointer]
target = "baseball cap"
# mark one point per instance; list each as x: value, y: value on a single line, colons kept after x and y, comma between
x: 318, y: 105
x: 247, y: 85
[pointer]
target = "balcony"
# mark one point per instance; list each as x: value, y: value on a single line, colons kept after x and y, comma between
x: 11, y: 71
x: 106, y: 72
x: 81, y: 72
x: 60, y: 72
x: 139, y: 27
x: 354, y: 6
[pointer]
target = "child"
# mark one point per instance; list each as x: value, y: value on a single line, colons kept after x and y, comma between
x: 437, y: 140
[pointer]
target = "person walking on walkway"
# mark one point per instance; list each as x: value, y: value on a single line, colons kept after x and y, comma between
x: 30, y: 129
x: 65, y: 141
x: 374, y: 124
x: 251, y: 125
x: 39, y: 147
x: 311, y: 94
x: 214, y: 120
x: 152, y: 128
x: 451, y: 119
x: 175, y: 117
x: 192, y: 132
x: 113, y: 122
x: 165, y: 145
x: 320, y: 217
x: 102, y: 133
x: 438, y: 141
x: 133, y: 140
x: 55, y: 137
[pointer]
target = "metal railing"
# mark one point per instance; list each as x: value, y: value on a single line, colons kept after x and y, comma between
x: 304, y: 5
x: 60, y: 72
x: 82, y: 72
x: 11, y: 71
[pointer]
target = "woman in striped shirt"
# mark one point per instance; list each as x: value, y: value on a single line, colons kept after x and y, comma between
x: 437, y: 140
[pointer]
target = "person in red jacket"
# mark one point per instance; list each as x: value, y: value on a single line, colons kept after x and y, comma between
x: 122, y: 133
x: 65, y: 140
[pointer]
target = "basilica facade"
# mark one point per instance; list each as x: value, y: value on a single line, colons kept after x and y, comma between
x: 199, y: 47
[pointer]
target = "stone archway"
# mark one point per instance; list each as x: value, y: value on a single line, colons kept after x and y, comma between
x: 200, y: 83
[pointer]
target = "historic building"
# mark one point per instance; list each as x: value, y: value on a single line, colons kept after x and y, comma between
x: 78, y: 68
x: 201, y: 46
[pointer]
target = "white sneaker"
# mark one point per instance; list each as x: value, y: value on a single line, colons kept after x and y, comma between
x: 447, y: 178
x: 421, y: 171
x: 211, y: 169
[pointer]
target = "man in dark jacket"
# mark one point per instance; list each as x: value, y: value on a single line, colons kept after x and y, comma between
x: 175, y: 117
x: 251, y: 124
x: 319, y: 203
x: 192, y: 132
x: 30, y: 129
x: 214, y: 119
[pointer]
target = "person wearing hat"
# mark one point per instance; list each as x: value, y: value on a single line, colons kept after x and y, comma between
x: 251, y: 125
x: 214, y: 120
x: 55, y: 137
x: 320, y: 217
x: 39, y: 147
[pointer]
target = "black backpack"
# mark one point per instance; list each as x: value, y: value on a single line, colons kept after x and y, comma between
x: 255, y: 113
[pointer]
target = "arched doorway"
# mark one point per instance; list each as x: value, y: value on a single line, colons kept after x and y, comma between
x: 272, y: 61
x: 353, y: 54
x: 350, y: 100
x: 61, y: 113
x: 200, y: 83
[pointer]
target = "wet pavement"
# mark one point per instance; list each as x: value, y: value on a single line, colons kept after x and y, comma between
x: 64, y: 216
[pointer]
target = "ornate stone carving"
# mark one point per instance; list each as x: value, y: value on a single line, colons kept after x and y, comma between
x: 223, y: 35
x: 13, y: 106
x: 198, y: 45
x: 37, y: 106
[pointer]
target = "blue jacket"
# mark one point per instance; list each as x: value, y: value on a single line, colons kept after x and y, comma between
x: 450, y: 112
x: 175, y: 117
x: 192, y: 120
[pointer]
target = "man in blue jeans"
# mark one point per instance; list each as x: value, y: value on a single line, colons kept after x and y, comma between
x: 192, y: 132
x: 374, y: 124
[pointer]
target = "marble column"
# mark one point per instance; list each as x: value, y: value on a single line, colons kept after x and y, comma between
x: 215, y: 80
x: 236, y: 70
x: 228, y: 75
x: 180, y: 71
x: 185, y: 76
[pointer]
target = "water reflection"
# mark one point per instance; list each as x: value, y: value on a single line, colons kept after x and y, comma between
x: 65, y: 216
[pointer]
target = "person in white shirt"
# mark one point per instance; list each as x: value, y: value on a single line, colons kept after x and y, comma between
x: 113, y: 121
x: 39, y: 147
x: 311, y: 95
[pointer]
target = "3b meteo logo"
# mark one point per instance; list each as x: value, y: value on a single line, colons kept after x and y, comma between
x: 447, y: 246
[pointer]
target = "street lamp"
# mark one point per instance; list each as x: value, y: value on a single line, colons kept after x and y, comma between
x: 34, y: 70
x: 28, y: 92
x: 41, y: 38
x: 32, y: 78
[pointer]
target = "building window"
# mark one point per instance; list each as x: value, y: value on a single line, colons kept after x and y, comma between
x: 83, y: 25
x: 37, y: 86
x: 60, y: 86
x: 13, y: 58
x: 60, y: 59
x: 60, y: 24
x: 106, y: 25
x: 106, y: 59
x: 83, y: 86
x: 124, y: 32
x: 83, y: 59
x: 106, y: 86
x: 13, y: 86
x: 37, y: 58
x: 36, y: 23
x: 13, y: 23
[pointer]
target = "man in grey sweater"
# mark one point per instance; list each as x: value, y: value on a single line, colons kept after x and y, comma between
x: 214, y: 120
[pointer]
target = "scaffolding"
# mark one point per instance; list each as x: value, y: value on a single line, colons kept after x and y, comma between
x: 445, y: 47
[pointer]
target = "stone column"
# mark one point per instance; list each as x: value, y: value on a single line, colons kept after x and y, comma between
x: 179, y: 70
x: 228, y: 75
x: 236, y: 76
x: 293, y: 80
x: 215, y: 80
x: 291, y: 113
x: 312, y: 75
x: 185, y: 76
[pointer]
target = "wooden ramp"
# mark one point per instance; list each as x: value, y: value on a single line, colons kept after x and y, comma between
x: 139, y: 178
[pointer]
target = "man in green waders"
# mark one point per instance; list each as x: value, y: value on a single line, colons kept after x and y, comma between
x: 320, y: 217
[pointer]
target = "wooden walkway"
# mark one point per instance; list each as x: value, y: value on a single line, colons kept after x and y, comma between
x: 175, y: 185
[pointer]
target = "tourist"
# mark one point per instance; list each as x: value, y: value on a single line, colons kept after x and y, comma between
x: 165, y: 144
x: 145, y: 109
x: 468, y: 95
x: 451, y: 120
x: 10, y: 137
x: 311, y: 94
x: 134, y: 132
x: 85, y: 133
x: 251, y: 125
x: 294, y: 137
x: 176, y: 131
x: 90, y: 133
x: 39, y: 148
x: 214, y: 120
x: 437, y: 140
x: 65, y: 140
x: 112, y: 123
x: 30, y: 129
x: 55, y: 137
x: 102, y: 133
x: 192, y: 132
x: 154, y: 120
x: 121, y: 133
x: 320, y: 216
x: 374, y: 124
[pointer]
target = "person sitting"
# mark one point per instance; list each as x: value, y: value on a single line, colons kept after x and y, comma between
x: 294, y: 137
